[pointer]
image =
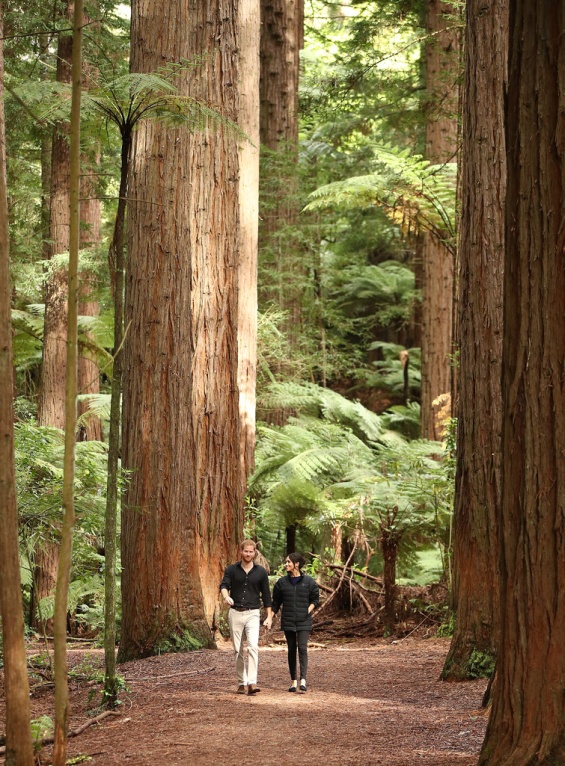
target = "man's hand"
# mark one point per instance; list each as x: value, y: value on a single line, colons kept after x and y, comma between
x: 229, y: 600
x: 268, y: 622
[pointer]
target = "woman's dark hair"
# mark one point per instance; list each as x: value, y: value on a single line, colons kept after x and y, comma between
x: 297, y: 558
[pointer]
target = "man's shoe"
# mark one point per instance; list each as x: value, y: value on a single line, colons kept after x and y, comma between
x: 303, y: 686
x: 241, y: 689
x: 292, y: 688
x: 252, y: 689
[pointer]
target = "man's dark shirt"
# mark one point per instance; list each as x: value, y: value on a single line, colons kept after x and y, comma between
x: 246, y: 588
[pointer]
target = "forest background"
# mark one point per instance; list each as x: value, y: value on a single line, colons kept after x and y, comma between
x: 256, y: 261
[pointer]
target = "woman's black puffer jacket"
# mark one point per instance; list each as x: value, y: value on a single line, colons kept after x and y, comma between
x: 295, y: 600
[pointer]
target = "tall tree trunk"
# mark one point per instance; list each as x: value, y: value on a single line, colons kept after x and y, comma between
x: 19, y: 749
x: 249, y: 30
x: 182, y: 513
x: 65, y: 550
x: 116, y: 257
x: 442, y: 70
x: 88, y: 371
x: 479, y: 407
x: 51, y: 403
x: 282, y: 31
x: 526, y: 726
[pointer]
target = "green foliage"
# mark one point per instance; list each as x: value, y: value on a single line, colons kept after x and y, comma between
x: 385, y: 293
x: 85, y: 599
x: 95, y: 336
x: 413, y: 193
x: 179, y: 642
x: 447, y: 629
x: 403, y: 418
x: 110, y: 697
x: 335, y: 463
x: 41, y: 728
x: 478, y: 665
x: 481, y: 664
x: 39, y: 470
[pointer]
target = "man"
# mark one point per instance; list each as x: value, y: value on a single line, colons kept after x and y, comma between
x: 243, y: 586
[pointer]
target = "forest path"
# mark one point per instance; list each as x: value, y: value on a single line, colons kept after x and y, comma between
x: 368, y: 703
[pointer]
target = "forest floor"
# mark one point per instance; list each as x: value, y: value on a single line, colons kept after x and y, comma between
x: 369, y: 701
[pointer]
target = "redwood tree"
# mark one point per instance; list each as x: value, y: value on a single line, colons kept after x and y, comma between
x: 182, y: 513
x: 282, y: 32
x: 527, y: 723
x: 19, y: 750
x: 51, y: 402
x: 249, y: 29
x: 479, y: 304
x: 88, y: 371
x: 442, y: 75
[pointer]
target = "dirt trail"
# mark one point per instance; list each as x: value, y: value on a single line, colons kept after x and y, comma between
x: 370, y: 703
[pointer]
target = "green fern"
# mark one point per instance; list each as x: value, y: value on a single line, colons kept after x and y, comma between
x: 413, y: 193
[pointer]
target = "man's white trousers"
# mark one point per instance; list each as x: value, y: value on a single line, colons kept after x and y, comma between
x: 245, y: 625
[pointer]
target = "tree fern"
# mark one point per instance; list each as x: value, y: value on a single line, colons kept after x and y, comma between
x: 326, y: 404
x: 414, y: 194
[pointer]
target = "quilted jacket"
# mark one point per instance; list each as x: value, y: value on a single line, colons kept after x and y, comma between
x: 295, y: 600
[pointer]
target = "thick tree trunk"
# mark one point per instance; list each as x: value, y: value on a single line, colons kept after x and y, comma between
x: 65, y: 549
x: 51, y: 402
x: 249, y: 29
x: 479, y: 408
x: 527, y: 723
x: 182, y: 513
x: 19, y: 750
x: 442, y: 70
x: 282, y: 30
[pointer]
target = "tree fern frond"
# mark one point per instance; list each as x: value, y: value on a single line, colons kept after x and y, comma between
x: 98, y: 406
x: 414, y: 194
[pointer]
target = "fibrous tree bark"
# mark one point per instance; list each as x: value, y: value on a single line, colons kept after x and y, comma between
x: 479, y: 309
x: 282, y: 31
x: 527, y: 723
x: 71, y: 366
x: 442, y: 75
x: 19, y: 749
x: 249, y: 35
x: 182, y: 513
x: 51, y: 402
x: 88, y: 370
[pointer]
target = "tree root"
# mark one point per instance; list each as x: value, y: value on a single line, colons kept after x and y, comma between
x: 74, y: 732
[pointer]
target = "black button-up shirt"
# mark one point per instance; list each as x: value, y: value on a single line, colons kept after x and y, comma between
x: 247, y: 588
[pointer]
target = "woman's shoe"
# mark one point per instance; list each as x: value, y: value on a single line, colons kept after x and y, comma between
x: 303, y: 686
x: 292, y: 688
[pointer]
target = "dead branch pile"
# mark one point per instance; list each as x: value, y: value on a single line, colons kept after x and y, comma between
x: 353, y: 601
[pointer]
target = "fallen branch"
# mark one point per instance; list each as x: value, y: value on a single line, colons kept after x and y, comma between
x: 357, y: 572
x: 332, y: 595
x: 74, y: 732
x: 357, y: 589
x: 74, y: 639
x: 318, y: 625
x: 172, y: 675
x: 419, y: 625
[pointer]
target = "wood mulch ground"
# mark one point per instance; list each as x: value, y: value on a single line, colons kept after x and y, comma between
x: 372, y: 701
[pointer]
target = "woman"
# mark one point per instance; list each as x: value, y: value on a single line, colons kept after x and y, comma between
x: 298, y: 594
